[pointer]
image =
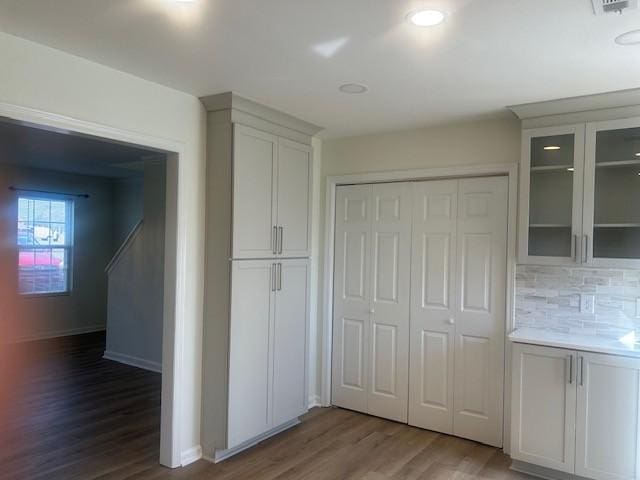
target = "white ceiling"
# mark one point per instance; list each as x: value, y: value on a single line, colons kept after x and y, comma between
x: 488, y: 53
x: 37, y: 148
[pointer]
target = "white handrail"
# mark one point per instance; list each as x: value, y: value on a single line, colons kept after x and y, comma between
x: 124, y: 247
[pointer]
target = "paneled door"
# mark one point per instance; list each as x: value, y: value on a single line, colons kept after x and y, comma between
x: 432, y: 329
x: 480, y: 309
x: 371, y: 299
x: 294, y: 198
x: 608, y: 420
x: 254, y: 193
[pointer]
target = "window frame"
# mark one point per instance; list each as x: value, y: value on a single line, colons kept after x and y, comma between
x: 69, y: 246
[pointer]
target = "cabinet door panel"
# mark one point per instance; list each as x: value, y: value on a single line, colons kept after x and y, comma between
x: 608, y: 446
x: 551, y: 195
x: 294, y: 197
x: 352, y: 297
x: 435, y: 207
x: 543, y: 406
x: 254, y: 202
x: 249, y: 355
x: 480, y: 309
x: 289, y: 343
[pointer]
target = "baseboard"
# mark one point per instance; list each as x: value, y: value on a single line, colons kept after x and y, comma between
x: 191, y: 455
x: 133, y: 361
x: 221, y: 455
x: 314, y: 401
x: 541, y: 472
x: 59, y: 333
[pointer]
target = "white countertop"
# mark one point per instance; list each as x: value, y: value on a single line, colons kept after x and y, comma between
x: 585, y: 343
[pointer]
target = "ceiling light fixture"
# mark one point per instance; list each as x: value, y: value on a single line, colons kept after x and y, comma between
x: 571, y: 169
x: 629, y: 38
x: 353, y: 88
x: 551, y: 147
x: 637, y: 154
x: 426, y: 18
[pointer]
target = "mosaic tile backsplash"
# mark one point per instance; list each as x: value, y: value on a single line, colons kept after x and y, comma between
x: 549, y: 297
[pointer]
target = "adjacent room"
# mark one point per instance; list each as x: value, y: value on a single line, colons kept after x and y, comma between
x: 365, y: 240
x: 82, y: 286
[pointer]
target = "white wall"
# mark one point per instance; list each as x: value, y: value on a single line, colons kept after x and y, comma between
x: 136, y: 282
x: 48, y: 80
x: 473, y: 143
x: 84, y: 308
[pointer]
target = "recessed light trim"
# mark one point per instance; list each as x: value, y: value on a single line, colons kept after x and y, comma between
x: 629, y: 38
x: 551, y: 147
x: 353, y: 88
x: 426, y: 18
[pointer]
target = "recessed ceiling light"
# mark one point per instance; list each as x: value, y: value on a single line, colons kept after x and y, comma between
x: 629, y: 38
x: 637, y: 154
x: 426, y: 18
x: 353, y: 88
x: 551, y: 147
x: 571, y: 169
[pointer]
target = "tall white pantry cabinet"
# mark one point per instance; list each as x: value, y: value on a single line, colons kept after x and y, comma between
x: 256, y: 305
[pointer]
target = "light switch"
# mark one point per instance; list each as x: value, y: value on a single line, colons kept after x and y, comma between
x: 587, y: 303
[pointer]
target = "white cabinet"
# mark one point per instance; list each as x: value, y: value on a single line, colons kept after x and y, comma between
x: 543, y: 406
x: 267, y: 359
x: 607, y: 426
x: 271, y: 195
x: 256, y: 274
x: 576, y: 412
x: 578, y: 192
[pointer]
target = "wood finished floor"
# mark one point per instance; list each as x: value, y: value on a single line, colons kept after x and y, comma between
x: 82, y: 417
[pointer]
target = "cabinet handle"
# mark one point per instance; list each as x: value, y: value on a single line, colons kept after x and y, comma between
x: 581, y: 370
x: 279, y: 276
x: 585, y: 255
x: 574, y: 255
x: 281, y: 230
x: 570, y: 369
x: 274, y: 240
x: 273, y: 277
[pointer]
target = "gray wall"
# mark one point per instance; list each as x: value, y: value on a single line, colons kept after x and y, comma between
x: 136, y: 284
x: 128, y: 207
x: 84, y: 309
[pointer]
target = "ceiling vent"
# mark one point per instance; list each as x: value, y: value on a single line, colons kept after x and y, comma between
x: 610, y: 6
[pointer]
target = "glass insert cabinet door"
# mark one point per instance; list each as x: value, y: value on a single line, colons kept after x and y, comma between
x: 551, y: 194
x: 612, y: 192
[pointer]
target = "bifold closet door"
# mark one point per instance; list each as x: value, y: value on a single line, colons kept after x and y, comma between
x: 433, y: 257
x: 480, y: 309
x: 371, y: 299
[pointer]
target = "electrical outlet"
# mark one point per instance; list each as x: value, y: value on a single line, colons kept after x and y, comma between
x: 587, y: 303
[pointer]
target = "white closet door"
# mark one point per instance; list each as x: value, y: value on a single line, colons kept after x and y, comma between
x: 608, y: 419
x: 389, y: 319
x: 254, y: 190
x: 289, y: 340
x: 252, y: 301
x: 294, y: 198
x: 432, y: 305
x: 480, y: 309
x: 352, y: 300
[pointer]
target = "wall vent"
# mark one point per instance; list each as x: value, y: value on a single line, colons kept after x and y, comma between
x: 601, y: 7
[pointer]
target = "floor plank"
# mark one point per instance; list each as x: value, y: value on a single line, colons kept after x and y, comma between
x: 78, y: 416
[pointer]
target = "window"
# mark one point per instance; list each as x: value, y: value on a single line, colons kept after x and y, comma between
x: 45, y: 242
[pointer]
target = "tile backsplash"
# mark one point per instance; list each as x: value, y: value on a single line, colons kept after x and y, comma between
x: 549, y: 297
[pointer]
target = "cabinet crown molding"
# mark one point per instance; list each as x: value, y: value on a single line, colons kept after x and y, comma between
x: 601, y: 106
x: 233, y: 102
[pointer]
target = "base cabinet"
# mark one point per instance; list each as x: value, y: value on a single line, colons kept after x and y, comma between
x: 576, y: 412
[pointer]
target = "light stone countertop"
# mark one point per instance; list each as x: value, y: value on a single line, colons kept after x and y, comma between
x: 587, y: 343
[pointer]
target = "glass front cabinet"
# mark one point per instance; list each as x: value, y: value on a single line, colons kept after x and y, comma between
x: 580, y: 194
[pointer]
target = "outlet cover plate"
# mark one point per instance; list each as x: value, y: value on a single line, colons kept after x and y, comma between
x: 587, y: 303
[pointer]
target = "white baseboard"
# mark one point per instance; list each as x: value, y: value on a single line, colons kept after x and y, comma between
x: 541, y: 472
x: 221, y: 455
x: 191, y: 455
x: 314, y: 401
x: 133, y: 361
x: 59, y: 333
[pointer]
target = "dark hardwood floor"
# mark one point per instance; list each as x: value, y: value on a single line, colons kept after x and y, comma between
x: 77, y: 416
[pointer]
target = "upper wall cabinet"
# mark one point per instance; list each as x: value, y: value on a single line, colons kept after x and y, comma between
x: 551, y: 191
x: 271, y: 195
